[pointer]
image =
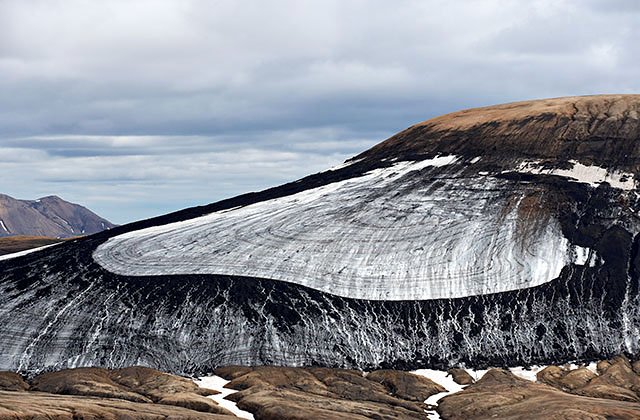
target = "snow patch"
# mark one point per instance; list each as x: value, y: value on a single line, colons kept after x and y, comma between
x: 217, y: 383
x: 584, y: 256
x: 3, y: 226
x: 26, y: 252
x: 586, y: 174
x: 593, y: 367
x: 528, y: 373
x: 475, y: 160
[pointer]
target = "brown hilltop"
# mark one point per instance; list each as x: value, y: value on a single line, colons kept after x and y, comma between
x: 601, y: 129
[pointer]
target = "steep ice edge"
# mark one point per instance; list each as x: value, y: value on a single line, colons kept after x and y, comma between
x: 421, y: 244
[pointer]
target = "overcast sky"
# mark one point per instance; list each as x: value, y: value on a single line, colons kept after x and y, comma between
x: 136, y: 108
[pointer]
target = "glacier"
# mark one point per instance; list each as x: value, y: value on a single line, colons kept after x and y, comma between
x: 360, y: 238
x: 501, y: 236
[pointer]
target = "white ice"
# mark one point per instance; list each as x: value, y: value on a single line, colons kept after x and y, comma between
x: 381, y: 236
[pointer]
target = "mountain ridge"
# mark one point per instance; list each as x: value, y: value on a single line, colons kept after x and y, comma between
x: 48, y: 216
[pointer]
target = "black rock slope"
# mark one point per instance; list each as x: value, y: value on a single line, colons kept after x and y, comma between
x: 501, y: 235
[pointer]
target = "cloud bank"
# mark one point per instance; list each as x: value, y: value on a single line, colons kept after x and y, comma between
x: 136, y: 108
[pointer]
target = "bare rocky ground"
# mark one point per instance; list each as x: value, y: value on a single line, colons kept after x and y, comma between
x: 323, y: 393
x: 95, y: 393
x: 11, y: 244
x: 559, y: 393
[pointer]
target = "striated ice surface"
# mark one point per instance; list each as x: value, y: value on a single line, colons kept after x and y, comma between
x: 405, y: 232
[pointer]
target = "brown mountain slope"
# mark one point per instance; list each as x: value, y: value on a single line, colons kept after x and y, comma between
x: 48, y: 216
x: 599, y: 129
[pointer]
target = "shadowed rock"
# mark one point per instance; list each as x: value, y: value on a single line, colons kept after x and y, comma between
x: 10, y: 381
x: 461, y: 376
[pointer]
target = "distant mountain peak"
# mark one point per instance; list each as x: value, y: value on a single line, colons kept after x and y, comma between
x: 48, y: 216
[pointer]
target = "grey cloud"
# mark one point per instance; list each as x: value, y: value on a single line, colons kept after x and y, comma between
x: 97, y: 96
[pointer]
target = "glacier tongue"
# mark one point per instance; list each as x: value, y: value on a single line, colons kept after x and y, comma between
x: 412, y: 231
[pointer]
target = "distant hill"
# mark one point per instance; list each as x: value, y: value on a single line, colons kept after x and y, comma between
x: 48, y: 216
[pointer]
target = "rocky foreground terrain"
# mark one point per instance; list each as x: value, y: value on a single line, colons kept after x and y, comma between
x: 612, y: 391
